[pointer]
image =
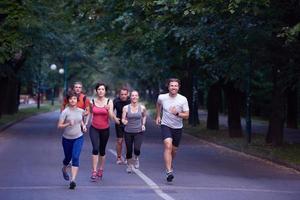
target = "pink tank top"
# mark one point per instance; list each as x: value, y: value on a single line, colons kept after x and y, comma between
x: 100, y: 117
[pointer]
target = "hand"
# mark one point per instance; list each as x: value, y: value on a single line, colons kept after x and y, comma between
x: 158, y: 121
x: 125, y: 121
x: 117, y: 120
x: 85, y: 113
x: 173, y: 110
x: 143, y: 128
x: 71, y: 122
x: 84, y: 128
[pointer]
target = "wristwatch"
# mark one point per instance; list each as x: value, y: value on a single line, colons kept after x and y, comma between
x: 177, y: 114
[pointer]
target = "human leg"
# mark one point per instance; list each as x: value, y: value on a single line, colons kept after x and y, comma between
x: 119, y: 141
x: 67, y: 147
x: 138, y: 140
x: 94, y: 136
x: 77, y: 146
x: 129, y: 143
x: 104, y: 136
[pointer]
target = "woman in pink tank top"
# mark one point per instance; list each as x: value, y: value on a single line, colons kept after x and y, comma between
x: 102, y: 110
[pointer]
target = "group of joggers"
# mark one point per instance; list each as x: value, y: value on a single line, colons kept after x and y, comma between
x: 130, y: 121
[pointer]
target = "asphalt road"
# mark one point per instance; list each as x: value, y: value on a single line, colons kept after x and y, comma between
x: 31, y: 156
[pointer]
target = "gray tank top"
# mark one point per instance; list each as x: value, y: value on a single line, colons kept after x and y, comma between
x: 134, y: 124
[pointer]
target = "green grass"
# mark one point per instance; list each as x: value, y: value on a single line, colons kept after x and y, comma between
x: 287, y: 153
x: 27, y: 112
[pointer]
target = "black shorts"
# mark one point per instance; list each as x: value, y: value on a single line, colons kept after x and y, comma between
x: 119, y: 130
x: 173, y: 133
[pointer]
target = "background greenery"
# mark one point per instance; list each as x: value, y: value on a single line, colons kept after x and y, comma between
x: 239, y: 57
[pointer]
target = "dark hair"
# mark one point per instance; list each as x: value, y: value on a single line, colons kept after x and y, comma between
x: 101, y: 84
x: 172, y: 80
x: 71, y: 94
x: 123, y: 88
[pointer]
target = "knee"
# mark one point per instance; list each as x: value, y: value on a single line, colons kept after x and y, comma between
x: 168, y: 147
x: 95, y: 152
x: 119, y: 141
x: 102, y: 153
x: 75, y: 162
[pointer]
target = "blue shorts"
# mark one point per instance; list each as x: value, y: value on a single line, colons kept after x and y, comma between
x: 173, y: 133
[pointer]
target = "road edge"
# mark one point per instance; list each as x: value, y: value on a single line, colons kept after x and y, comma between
x: 273, y: 162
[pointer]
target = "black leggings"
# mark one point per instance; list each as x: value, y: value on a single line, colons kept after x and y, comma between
x: 133, y: 139
x: 99, y: 139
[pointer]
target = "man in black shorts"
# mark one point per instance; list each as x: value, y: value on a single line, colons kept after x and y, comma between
x: 174, y: 108
x: 121, y: 101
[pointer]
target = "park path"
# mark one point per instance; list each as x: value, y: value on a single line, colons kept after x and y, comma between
x: 31, y: 155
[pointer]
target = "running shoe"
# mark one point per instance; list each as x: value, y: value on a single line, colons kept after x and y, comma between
x: 72, y: 185
x: 129, y: 169
x: 65, y: 174
x: 100, y: 173
x: 137, y: 163
x: 119, y: 161
x: 169, y: 176
x: 94, y: 176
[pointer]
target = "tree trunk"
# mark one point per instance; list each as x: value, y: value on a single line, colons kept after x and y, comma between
x: 292, y: 108
x: 234, y: 102
x: 276, y: 121
x: 213, y: 106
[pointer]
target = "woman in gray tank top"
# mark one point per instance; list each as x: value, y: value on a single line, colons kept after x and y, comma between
x: 134, y: 119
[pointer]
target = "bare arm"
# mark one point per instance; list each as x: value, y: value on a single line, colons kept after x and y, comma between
x: 124, y: 113
x: 111, y: 112
x: 144, y: 115
x: 62, y: 124
x: 158, y: 112
x: 184, y: 114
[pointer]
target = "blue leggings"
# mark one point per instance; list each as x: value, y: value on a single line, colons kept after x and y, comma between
x: 72, y: 150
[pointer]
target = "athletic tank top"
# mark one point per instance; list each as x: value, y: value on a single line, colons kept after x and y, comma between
x: 100, y: 117
x: 134, y: 124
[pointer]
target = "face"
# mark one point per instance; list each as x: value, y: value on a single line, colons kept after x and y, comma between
x: 77, y: 88
x: 173, y: 88
x: 123, y: 95
x: 101, y: 91
x: 134, y: 97
x: 73, y: 101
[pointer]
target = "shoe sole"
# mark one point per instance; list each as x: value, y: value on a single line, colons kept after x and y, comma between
x: 170, y: 178
x: 72, y: 186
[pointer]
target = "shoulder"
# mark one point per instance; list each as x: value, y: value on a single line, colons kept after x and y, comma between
x: 163, y: 96
x: 116, y: 100
x: 125, y: 108
x: 143, y: 107
x: 79, y: 110
x: 180, y: 96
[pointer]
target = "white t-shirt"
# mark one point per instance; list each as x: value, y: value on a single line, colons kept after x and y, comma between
x: 72, y: 132
x: 181, y: 104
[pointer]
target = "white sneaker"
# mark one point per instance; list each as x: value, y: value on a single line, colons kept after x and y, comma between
x: 119, y: 161
x: 129, y: 169
x: 137, y: 163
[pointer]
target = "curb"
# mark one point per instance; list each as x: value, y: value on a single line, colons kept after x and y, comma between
x: 6, y: 126
x: 270, y: 161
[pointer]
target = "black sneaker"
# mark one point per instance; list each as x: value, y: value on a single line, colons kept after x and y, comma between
x: 170, y: 176
x: 72, y: 185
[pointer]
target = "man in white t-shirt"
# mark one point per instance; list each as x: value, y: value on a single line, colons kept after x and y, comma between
x: 174, y: 109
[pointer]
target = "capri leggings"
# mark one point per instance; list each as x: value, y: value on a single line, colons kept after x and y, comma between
x: 72, y: 149
x: 133, y: 139
x: 99, y: 139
